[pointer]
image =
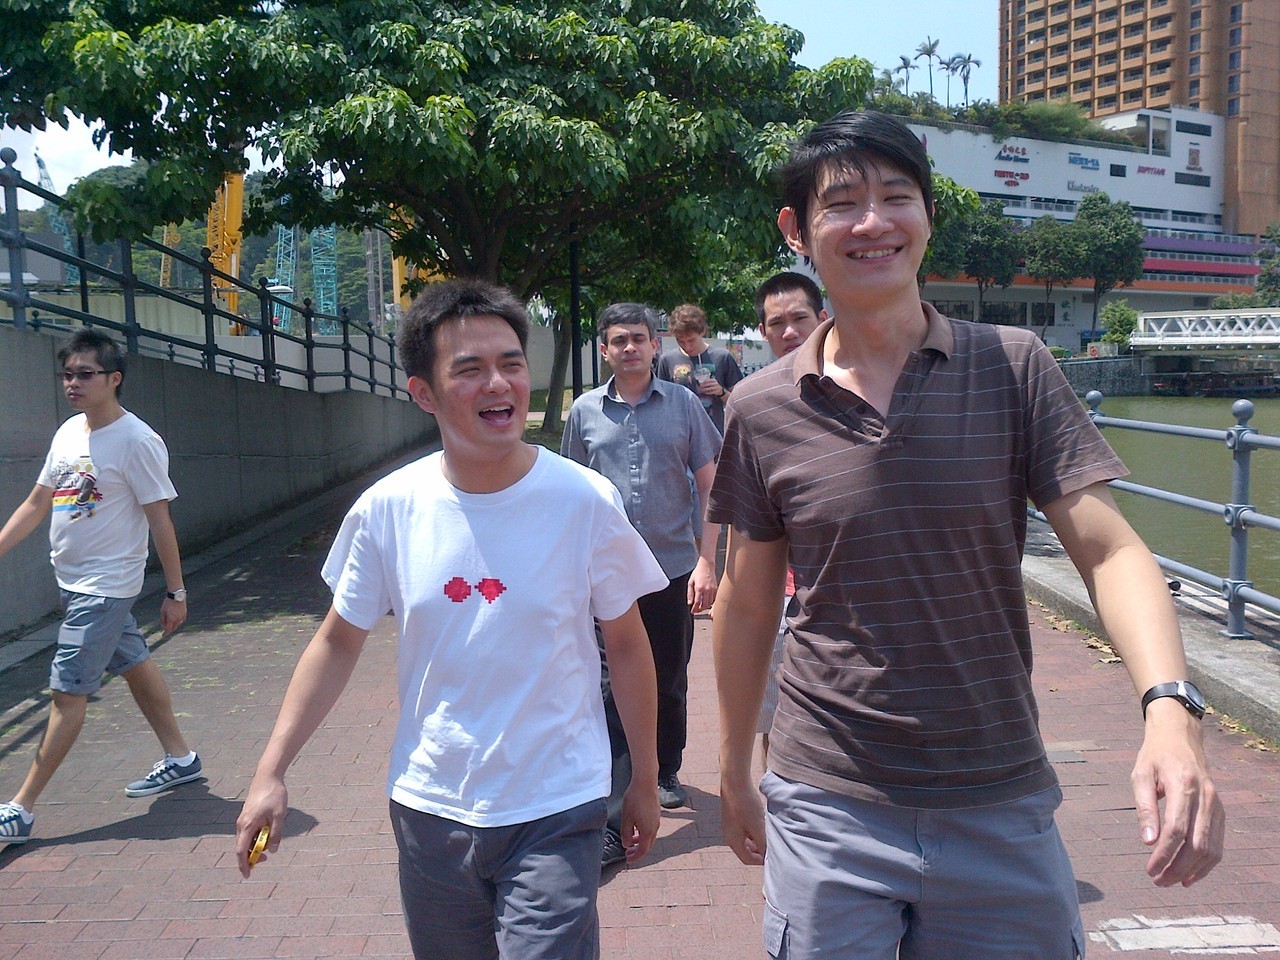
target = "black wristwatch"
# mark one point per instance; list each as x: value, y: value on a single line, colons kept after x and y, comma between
x: 1184, y: 691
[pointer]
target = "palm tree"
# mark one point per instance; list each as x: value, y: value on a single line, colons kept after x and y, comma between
x: 967, y: 62
x: 905, y: 68
x: 929, y: 50
x: 952, y: 66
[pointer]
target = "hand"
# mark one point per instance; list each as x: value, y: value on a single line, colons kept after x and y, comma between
x: 265, y: 805
x: 173, y: 614
x: 710, y: 387
x: 742, y: 820
x: 640, y: 818
x: 702, y: 587
x: 1187, y: 840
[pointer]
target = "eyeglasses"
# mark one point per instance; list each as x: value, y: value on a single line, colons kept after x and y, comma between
x: 82, y: 375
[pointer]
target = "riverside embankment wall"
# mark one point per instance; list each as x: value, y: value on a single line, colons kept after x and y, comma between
x: 239, y: 450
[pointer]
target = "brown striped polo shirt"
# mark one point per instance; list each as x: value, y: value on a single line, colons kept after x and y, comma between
x: 907, y: 675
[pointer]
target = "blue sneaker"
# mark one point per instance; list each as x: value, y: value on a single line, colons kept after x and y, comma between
x: 165, y: 774
x: 14, y: 827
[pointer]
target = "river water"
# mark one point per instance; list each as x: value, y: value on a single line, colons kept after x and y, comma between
x: 1197, y: 468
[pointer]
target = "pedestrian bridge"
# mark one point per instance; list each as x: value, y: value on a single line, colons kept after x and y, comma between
x: 1208, y: 330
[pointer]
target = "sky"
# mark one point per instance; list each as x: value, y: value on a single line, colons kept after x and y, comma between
x: 871, y: 29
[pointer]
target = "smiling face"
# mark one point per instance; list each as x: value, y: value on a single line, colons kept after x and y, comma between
x: 788, y: 320
x: 478, y: 392
x: 866, y: 234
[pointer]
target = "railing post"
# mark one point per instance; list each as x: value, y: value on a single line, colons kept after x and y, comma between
x: 373, y: 360
x: 210, y: 350
x: 266, y: 328
x: 270, y: 374
x: 309, y: 334
x: 391, y: 362
x: 1233, y: 514
x: 12, y: 238
x: 129, y: 288
x: 1094, y: 399
x: 346, y: 356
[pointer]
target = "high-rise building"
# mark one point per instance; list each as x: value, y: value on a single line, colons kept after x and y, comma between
x: 1117, y: 56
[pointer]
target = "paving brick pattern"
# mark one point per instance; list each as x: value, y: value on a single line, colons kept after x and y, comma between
x: 108, y: 878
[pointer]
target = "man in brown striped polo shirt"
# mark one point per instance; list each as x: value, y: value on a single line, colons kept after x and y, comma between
x: 890, y: 460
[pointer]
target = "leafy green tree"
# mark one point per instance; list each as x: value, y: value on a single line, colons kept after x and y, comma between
x: 1119, y: 320
x: 1113, y: 251
x: 481, y: 136
x: 1268, y: 285
x: 994, y: 249
x: 953, y: 224
x: 1053, y: 254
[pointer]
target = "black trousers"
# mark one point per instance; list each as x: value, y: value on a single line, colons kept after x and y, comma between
x: 669, y: 624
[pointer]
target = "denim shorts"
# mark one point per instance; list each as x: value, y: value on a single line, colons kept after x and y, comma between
x: 479, y: 893
x: 98, y: 634
x: 848, y: 879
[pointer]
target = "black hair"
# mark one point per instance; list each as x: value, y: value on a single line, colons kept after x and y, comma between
x: 785, y: 282
x: 627, y: 313
x: 107, y: 352
x: 850, y: 141
x: 453, y: 300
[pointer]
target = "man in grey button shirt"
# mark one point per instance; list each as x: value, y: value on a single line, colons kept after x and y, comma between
x: 648, y: 436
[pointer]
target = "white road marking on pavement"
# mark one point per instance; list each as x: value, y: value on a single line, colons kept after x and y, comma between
x: 1195, y: 936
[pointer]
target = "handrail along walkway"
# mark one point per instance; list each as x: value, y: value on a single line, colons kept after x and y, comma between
x: 1239, y: 515
x: 359, y: 342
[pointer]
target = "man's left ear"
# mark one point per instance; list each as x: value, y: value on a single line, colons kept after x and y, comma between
x: 420, y: 391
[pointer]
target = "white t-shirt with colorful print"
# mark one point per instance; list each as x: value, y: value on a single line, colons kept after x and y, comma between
x: 100, y: 480
x: 501, y: 719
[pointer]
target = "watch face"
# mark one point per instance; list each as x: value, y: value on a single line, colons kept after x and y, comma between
x: 1192, y: 693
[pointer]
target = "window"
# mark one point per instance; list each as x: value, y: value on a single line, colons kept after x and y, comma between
x: 1042, y: 314
x: 1118, y: 170
x: 1083, y: 23
x: 1133, y: 30
x: 1061, y: 50
x: 1196, y: 129
x: 956, y: 309
x: 1082, y: 86
x: 1083, y: 43
x: 1233, y: 60
x: 1005, y: 314
x: 1193, y: 65
x: 1237, y: 12
x: 1233, y: 83
x: 1233, y: 107
x: 1235, y: 37
x: 1194, y: 43
x: 1160, y: 130
x: 1196, y: 19
x: 1193, y: 88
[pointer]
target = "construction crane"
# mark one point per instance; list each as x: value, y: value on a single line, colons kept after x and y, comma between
x: 226, y: 219
x: 286, y: 269
x: 324, y: 272
x: 170, y: 240
x: 57, y: 220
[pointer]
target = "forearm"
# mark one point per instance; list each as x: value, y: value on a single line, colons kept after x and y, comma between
x: 318, y: 680
x: 165, y: 538
x: 742, y: 637
x: 634, y: 685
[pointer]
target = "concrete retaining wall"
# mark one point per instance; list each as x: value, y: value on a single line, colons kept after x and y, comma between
x: 1114, y: 376
x: 239, y: 450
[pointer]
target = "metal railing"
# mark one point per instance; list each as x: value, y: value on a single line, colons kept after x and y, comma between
x: 326, y: 347
x: 1239, y: 515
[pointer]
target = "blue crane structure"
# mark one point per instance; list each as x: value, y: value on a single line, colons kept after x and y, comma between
x: 58, y: 220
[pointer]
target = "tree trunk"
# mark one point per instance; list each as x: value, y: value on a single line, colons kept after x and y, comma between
x: 553, y: 422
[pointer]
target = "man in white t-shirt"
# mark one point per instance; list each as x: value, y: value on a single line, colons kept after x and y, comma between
x: 106, y: 483
x: 494, y: 557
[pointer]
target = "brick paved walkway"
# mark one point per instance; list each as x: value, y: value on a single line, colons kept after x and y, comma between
x: 107, y: 878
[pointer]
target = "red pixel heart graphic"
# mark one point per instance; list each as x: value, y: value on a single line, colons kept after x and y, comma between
x: 491, y: 589
x: 457, y: 590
